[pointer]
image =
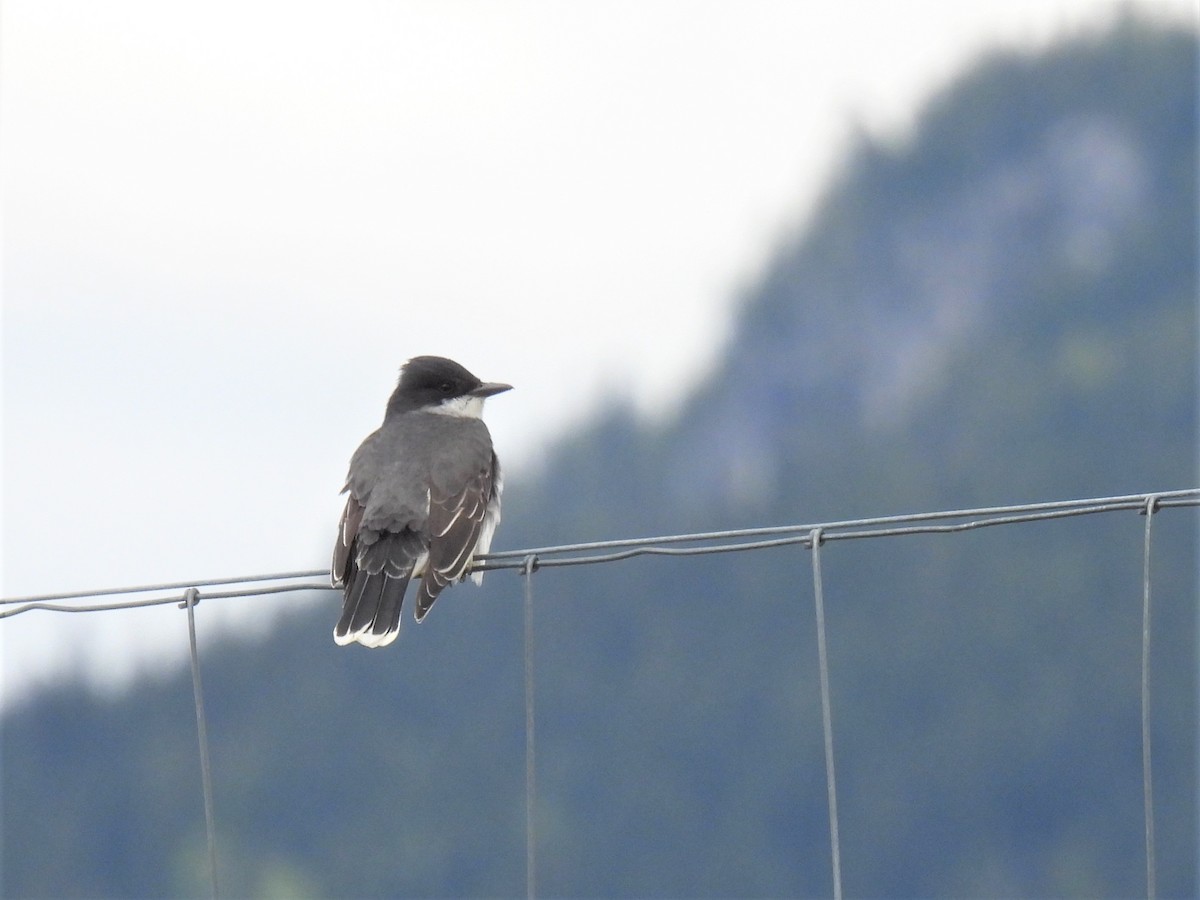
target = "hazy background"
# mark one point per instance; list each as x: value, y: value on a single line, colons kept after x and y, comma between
x: 750, y: 268
x: 227, y: 224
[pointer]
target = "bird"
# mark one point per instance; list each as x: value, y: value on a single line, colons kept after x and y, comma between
x: 423, y: 499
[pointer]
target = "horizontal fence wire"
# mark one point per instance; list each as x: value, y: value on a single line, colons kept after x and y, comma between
x: 596, y: 552
x: 529, y: 560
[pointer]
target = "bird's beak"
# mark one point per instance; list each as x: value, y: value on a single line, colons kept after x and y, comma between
x: 489, y: 388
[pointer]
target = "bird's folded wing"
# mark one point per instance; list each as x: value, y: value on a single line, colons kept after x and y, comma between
x: 455, y: 521
x: 343, y: 547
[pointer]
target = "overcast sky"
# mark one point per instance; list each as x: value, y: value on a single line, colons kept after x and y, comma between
x: 227, y: 224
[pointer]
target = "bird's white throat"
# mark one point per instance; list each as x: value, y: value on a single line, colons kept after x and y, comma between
x: 466, y: 407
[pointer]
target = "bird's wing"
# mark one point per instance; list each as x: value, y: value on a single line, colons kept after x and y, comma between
x: 343, y: 547
x: 455, y: 522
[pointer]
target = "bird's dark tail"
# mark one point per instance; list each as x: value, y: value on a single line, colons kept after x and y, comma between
x: 375, y: 591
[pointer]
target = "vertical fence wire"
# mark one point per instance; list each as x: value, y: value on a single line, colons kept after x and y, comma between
x: 530, y: 768
x: 1147, y: 779
x: 826, y: 715
x: 190, y: 598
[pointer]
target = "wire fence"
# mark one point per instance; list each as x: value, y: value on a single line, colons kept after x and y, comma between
x: 187, y: 594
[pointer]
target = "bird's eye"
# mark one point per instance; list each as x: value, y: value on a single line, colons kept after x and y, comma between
x: 446, y: 387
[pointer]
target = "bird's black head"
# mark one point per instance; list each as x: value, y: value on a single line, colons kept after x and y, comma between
x: 434, y: 382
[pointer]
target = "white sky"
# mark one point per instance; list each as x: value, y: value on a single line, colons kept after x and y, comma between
x: 227, y: 224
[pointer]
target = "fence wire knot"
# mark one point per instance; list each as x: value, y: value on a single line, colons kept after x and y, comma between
x: 530, y: 564
x: 191, y: 597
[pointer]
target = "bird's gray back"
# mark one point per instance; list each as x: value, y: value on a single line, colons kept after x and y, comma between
x: 390, y: 469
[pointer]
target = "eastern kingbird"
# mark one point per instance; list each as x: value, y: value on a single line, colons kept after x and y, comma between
x: 424, y: 499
